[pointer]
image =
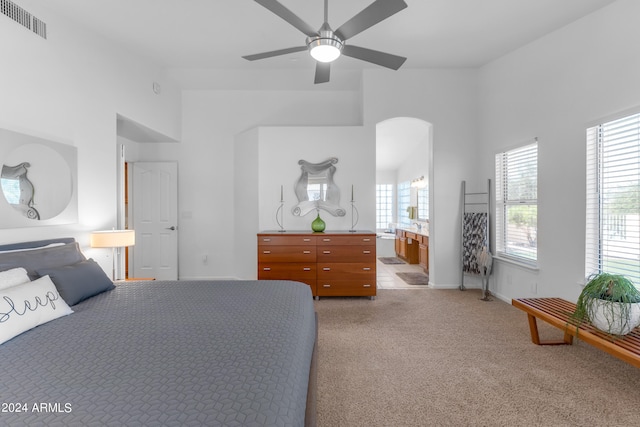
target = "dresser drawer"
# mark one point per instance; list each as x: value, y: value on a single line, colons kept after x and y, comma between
x: 346, y: 287
x: 286, y: 240
x: 347, y: 239
x: 267, y: 253
x: 344, y: 253
x: 346, y: 271
x: 287, y: 271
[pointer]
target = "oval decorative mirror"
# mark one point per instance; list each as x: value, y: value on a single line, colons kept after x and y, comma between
x: 315, y: 188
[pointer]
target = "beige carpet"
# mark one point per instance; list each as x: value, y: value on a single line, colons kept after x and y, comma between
x: 445, y: 358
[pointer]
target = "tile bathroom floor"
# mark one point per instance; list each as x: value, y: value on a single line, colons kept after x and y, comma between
x: 387, y: 278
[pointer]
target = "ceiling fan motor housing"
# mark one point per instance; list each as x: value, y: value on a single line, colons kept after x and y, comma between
x: 325, y: 47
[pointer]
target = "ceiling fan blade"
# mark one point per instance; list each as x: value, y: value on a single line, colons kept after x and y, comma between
x: 279, y: 52
x: 377, y: 11
x: 374, y: 56
x: 284, y: 13
x: 323, y: 70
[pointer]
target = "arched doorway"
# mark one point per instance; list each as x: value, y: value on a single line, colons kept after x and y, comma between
x: 403, y: 183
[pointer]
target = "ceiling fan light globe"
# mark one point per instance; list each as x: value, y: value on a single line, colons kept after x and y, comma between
x: 325, y: 53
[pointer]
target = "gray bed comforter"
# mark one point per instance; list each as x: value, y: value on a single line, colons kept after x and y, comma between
x: 185, y: 353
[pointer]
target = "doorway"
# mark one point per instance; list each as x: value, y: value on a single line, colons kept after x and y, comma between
x: 403, y: 181
x: 147, y: 198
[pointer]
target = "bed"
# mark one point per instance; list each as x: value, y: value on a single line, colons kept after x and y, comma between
x: 145, y: 353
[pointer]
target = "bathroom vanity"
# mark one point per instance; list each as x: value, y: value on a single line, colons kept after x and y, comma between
x: 412, y: 246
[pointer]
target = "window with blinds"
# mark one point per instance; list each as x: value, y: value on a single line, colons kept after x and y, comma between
x: 384, y: 206
x: 517, y: 204
x: 613, y: 198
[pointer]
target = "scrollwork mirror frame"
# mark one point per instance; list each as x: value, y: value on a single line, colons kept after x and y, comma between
x: 329, y: 199
x: 49, y: 196
x: 24, y: 203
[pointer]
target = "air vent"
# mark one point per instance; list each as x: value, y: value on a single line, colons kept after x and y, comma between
x: 24, y: 18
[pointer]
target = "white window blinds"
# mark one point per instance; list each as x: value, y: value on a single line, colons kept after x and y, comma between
x: 613, y: 198
x: 517, y: 204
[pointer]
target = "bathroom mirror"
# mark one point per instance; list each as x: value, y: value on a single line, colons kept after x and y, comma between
x: 315, y: 188
x: 38, y: 181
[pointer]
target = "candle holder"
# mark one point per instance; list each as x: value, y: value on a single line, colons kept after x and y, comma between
x: 355, y: 216
x: 280, y: 212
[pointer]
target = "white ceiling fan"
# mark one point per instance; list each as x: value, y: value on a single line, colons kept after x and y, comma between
x: 326, y: 45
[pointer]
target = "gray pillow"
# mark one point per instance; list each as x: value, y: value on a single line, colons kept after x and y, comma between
x: 78, y: 281
x: 41, y: 258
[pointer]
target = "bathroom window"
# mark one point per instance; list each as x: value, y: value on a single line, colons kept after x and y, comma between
x: 384, y: 206
x: 613, y: 198
x: 517, y: 204
x: 404, y: 201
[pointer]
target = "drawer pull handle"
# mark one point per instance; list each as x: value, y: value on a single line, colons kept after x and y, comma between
x: 266, y: 269
x: 326, y: 286
x: 307, y: 269
x: 366, y: 286
x: 327, y: 269
x: 266, y: 240
x: 326, y: 240
x: 306, y: 240
x: 366, y: 252
x: 326, y: 252
x: 306, y: 252
x: 366, y: 240
x: 366, y: 268
x: 266, y: 252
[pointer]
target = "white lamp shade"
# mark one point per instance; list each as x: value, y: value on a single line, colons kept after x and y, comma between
x: 113, y: 238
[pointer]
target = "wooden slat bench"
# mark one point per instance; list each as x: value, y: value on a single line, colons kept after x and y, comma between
x: 557, y: 312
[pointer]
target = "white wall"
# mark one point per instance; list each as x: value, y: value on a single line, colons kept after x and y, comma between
x: 282, y: 147
x: 274, y: 165
x: 69, y: 89
x: 212, y: 120
x: 448, y: 100
x: 554, y: 88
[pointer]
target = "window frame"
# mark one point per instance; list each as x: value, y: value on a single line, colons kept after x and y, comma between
x: 385, y: 200
x: 613, y: 244
x: 521, y: 160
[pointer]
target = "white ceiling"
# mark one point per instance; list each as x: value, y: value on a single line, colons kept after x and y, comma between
x: 195, y: 36
x: 216, y: 33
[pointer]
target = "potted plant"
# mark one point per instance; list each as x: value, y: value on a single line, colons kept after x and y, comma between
x: 611, y: 302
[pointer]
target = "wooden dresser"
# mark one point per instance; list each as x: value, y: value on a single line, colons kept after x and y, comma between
x: 336, y: 263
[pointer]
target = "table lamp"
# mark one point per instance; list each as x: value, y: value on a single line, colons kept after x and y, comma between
x: 113, y: 239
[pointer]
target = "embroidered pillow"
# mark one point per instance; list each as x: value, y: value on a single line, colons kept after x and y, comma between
x: 25, y: 306
x: 15, y: 276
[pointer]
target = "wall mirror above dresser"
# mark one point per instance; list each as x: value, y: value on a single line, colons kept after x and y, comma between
x: 315, y: 188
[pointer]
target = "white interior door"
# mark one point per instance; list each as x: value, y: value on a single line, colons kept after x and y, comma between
x: 155, y: 220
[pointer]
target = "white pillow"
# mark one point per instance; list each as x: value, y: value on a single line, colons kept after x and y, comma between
x: 28, y: 305
x: 15, y: 276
